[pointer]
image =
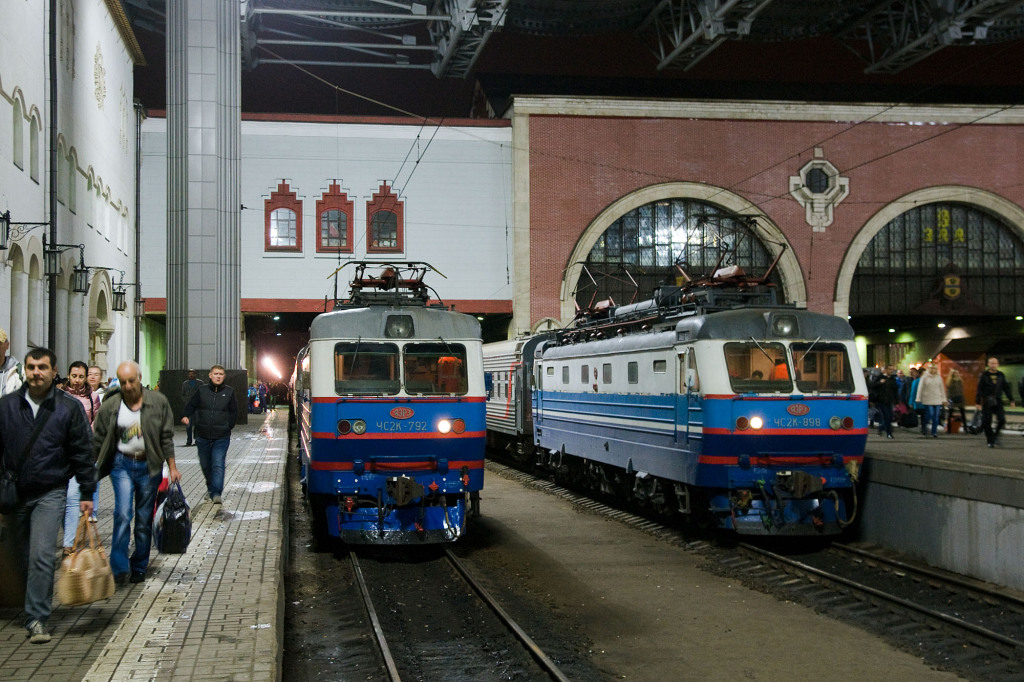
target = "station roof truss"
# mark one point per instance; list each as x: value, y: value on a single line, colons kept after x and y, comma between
x: 447, y: 37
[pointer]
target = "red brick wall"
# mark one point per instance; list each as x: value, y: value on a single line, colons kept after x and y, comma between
x: 579, y: 165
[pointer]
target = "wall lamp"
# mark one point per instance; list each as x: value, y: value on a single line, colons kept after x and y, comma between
x: 9, y: 233
x: 51, y: 264
x: 119, y: 302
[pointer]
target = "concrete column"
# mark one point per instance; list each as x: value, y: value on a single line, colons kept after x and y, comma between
x: 37, y: 307
x: 203, y: 127
x: 18, y: 333
x: 78, y: 329
x: 61, y: 335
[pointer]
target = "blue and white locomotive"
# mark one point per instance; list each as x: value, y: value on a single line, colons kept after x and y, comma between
x: 389, y: 400
x: 709, y: 400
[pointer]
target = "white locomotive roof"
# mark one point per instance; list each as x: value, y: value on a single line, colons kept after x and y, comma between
x: 368, y: 323
x: 744, y: 323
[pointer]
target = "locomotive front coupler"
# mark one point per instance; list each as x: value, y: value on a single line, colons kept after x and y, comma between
x: 403, y: 490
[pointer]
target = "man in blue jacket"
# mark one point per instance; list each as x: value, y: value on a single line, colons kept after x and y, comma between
x: 212, y: 411
x: 44, y: 438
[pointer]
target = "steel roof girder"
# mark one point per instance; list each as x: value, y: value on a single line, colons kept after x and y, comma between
x: 682, y: 32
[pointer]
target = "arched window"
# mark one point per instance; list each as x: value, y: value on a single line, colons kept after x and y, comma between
x: 639, y: 251
x: 283, y: 220
x: 33, y: 149
x: 384, y: 222
x: 18, y: 122
x: 334, y: 224
x: 943, y: 257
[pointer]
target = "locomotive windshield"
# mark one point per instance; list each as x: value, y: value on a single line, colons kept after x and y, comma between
x: 365, y: 368
x: 435, y: 368
x: 823, y: 367
x: 758, y: 367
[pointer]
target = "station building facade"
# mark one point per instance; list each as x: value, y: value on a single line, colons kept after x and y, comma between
x: 82, y: 154
x: 908, y: 220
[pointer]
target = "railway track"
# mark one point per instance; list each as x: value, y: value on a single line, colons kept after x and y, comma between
x: 974, y: 629
x: 434, y: 631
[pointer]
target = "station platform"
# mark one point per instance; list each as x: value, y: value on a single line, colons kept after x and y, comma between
x: 951, y: 501
x: 213, y: 613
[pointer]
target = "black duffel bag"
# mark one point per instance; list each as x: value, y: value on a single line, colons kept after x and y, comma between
x: 173, y: 529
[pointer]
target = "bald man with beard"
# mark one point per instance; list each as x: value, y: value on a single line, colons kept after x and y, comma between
x: 132, y: 439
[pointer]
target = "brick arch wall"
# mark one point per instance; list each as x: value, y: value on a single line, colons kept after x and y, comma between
x: 768, y: 232
x: 1011, y: 213
x: 574, y: 157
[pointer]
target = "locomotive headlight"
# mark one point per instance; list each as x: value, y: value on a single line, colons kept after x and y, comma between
x: 399, y: 327
x: 444, y: 426
x: 835, y: 423
x: 756, y: 423
x: 784, y: 325
x: 359, y: 427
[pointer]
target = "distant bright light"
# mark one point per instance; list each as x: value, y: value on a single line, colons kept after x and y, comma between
x: 269, y: 365
x: 276, y: 318
x: 942, y: 325
x: 1020, y: 317
x: 891, y: 330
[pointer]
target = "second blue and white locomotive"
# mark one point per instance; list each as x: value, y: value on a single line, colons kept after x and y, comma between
x: 389, y: 398
x: 706, y: 401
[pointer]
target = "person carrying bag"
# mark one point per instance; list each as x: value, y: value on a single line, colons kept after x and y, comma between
x: 85, y: 574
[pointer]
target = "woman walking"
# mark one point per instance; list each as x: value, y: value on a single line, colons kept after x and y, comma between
x: 931, y: 395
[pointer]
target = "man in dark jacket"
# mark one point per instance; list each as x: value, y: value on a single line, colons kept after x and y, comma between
x: 132, y: 438
x: 53, y: 423
x: 212, y: 411
x: 992, y: 384
x: 188, y: 389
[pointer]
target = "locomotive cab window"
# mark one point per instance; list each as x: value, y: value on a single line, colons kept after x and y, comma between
x: 823, y: 367
x: 758, y: 367
x: 365, y: 368
x: 439, y: 368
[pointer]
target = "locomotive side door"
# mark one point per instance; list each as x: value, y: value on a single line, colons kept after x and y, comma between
x: 688, y: 407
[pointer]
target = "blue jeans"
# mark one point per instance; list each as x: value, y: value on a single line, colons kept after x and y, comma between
x: 931, y: 416
x: 132, y: 485
x: 72, y: 510
x: 38, y: 520
x: 212, y: 454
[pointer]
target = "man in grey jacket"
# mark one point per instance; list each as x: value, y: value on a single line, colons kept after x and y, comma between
x: 132, y: 438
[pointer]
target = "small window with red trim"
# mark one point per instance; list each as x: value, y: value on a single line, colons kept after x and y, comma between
x: 384, y: 222
x: 334, y: 212
x: 283, y: 220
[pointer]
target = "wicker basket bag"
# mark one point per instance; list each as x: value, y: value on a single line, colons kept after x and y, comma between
x: 85, y: 574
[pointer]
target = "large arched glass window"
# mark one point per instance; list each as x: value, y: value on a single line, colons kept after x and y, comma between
x: 645, y: 245
x: 943, y: 257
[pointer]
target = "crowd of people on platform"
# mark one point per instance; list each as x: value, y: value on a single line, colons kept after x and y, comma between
x: 60, y: 437
x: 923, y: 399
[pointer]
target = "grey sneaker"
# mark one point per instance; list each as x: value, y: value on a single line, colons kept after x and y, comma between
x: 216, y: 499
x: 37, y: 633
